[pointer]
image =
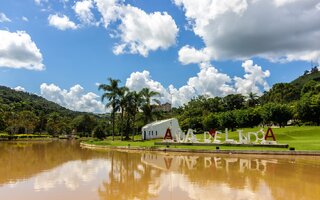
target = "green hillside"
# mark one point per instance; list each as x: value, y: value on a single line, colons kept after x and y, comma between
x: 25, y: 113
x: 18, y: 101
x: 299, y: 82
x: 293, y: 91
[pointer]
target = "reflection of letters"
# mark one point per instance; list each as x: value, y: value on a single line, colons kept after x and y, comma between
x: 168, y: 162
x: 207, y: 162
x: 244, y: 164
x: 190, y: 162
x: 217, y: 162
x: 229, y: 161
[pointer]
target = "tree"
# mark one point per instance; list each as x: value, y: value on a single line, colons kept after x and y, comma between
x: 278, y: 114
x: 314, y: 69
x: 99, y: 132
x: 228, y: 120
x: 211, y: 121
x: 122, y: 103
x: 312, y: 87
x: 111, y: 92
x: 252, y: 99
x: 234, y: 101
x: 28, y: 120
x: 84, y: 124
x: 54, y: 125
x: 133, y: 102
x: 248, y: 118
x: 308, y: 109
x: 281, y: 93
x: 147, y: 96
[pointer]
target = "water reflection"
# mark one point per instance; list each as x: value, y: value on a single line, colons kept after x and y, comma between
x: 70, y: 174
x: 62, y: 170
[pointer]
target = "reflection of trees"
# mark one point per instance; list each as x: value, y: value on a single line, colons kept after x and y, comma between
x: 128, y: 178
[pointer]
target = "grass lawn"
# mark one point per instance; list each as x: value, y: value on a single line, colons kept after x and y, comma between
x: 301, y: 138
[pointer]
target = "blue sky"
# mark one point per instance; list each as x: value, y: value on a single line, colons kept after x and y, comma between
x: 181, y: 48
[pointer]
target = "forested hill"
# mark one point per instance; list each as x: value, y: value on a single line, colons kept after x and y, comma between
x: 18, y: 101
x: 308, y: 76
x: 22, y: 112
x: 293, y: 91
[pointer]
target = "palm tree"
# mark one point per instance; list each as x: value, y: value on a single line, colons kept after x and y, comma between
x: 131, y: 108
x: 147, y: 95
x: 111, y: 92
x: 252, y: 99
x: 136, y: 100
x: 122, y: 103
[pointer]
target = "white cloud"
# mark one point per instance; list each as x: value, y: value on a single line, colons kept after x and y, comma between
x: 188, y: 55
x: 141, y: 32
x: 4, y: 18
x: 83, y: 11
x: 61, y: 22
x: 139, y: 80
x: 240, y: 29
x: 17, y: 50
x: 138, y: 32
x: 25, y: 19
x: 20, y: 88
x: 75, y: 98
x: 209, y: 81
x: 109, y: 9
x: 253, y: 78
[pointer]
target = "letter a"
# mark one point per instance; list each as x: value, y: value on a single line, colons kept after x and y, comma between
x: 269, y: 131
x: 168, y: 135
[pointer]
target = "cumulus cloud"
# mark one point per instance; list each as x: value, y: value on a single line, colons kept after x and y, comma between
x: 19, y: 88
x: 138, y: 32
x: 253, y: 78
x: 4, y: 18
x: 208, y: 81
x: 109, y: 9
x: 61, y: 22
x: 17, y: 50
x: 141, y: 32
x: 188, y: 55
x: 139, y: 80
x: 240, y: 29
x: 75, y: 98
x: 83, y: 11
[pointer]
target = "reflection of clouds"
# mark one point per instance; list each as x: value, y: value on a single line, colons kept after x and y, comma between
x: 174, y: 182
x: 71, y: 174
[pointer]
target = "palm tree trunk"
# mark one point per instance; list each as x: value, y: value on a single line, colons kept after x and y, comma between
x: 121, y: 124
x: 113, y: 126
x: 133, y: 130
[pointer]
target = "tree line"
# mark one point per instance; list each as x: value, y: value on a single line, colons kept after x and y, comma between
x: 127, y: 111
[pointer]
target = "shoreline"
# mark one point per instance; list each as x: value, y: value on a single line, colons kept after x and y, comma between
x: 204, y: 151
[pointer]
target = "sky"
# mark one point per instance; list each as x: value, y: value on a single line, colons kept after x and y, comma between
x: 63, y: 49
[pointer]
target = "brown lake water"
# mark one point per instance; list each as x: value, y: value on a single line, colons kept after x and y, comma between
x: 62, y: 170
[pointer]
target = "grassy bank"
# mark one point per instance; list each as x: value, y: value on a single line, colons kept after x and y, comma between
x: 301, y: 138
x: 6, y: 136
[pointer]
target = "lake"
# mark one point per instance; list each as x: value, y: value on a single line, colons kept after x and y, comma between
x: 63, y: 170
